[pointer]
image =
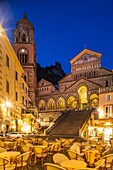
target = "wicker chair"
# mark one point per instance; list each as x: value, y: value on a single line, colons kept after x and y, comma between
x: 50, y: 166
x: 22, y: 160
x: 40, y: 154
x: 59, y: 157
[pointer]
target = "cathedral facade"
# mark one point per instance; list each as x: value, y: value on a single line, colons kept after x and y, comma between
x: 79, y: 90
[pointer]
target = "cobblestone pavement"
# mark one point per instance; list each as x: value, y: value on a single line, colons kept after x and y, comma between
x: 36, y: 167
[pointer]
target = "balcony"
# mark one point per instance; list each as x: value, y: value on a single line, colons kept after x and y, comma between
x: 106, y: 89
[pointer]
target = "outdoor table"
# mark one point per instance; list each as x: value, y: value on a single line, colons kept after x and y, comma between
x: 10, y: 155
x: 73, y: 164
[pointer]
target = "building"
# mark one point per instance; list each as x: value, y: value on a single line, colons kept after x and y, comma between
x: 105, y: 120
x: 13, y: 97
x: 25, y: 49
x: 78, y: 90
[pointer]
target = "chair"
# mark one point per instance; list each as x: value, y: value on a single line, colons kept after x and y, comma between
x: 25, y: 148
x: 55, y: 148
x: 108, y: 161
x: 40, y: 153
x: 72, y: 154
x: 22, y: 160
x: 2, y: 150
x: 39, y: 141
x: 1, y: 144
x: 15, y: 146
x: 99, y: 148
x: 51, y: 166
x: 105, y: 152
x: 67, y: 144
x: 5, y: 165
x: 59, y: 157
x: 97, y: 165
x: 45, y: 143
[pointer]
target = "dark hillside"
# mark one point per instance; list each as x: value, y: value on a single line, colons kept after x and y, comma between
x: 52, y: 73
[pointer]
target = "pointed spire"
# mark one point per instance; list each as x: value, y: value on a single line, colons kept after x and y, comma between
x: 25, y: 15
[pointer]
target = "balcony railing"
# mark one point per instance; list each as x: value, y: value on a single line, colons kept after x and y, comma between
x: 106, y: 89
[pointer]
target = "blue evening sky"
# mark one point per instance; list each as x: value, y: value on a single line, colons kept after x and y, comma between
x: 63, y: 28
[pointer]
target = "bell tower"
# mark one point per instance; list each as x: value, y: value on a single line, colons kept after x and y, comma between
x: 25, y: 49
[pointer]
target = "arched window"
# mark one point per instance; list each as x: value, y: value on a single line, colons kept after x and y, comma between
x: 60, y: 103
x: 51, y: 104
x: 71, y: 103
x: 23, y: 56
x: 42, y: 105
x: 23, y: 38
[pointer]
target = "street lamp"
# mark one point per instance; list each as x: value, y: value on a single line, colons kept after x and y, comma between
x: 5, y: 108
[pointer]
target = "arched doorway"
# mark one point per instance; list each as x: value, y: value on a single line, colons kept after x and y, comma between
x: 42, y: 105
x: 94, y: 101
x: 51, y: 104
x: 82, y: 97
x: 60, y: 103
x: 71, y: 103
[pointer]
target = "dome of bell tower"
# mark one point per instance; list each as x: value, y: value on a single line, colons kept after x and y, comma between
x: 24, y: 21
x: 24, y: 31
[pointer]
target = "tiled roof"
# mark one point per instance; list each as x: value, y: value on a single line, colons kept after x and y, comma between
x: 69, y: 123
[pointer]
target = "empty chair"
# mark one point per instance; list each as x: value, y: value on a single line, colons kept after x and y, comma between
x: 40, y: 154
x: 2, y: 150
x: 50, y: 166
x: 108, y: 161
x: 55, y: 148
x: 59, y: 157
x: 39, y: 141
x: 22, y: 160
x: 1, y: 144
x: 45, y: 143
x: 25, y: 148
x: 105, y: 152
x: 97, y: 165
x: 99, y: 148
x: 72, y: 154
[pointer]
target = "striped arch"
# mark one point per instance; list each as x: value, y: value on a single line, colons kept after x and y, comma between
x: 60, y: 103
x: 51, y: 104
x: 71, y: 102
x: 42, y: 105
x: 82, y: 97
x: 94, y: 101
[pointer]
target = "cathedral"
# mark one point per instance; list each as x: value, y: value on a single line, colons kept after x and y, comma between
x: 79, y: 90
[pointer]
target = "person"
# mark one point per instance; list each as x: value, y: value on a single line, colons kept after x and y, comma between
x: 76, y: 147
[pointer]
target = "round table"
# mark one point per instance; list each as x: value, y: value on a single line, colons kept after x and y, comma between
x: 10, y: 155
x: 73, y: 164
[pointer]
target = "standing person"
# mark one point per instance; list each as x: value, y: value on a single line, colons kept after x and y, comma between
x: 76, y: 147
